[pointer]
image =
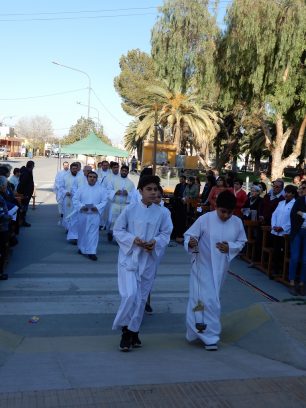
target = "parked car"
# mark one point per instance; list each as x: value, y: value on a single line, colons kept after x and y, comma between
x: 4, y: 153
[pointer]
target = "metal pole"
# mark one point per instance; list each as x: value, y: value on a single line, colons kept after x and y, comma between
x: 155, y: 140
x: 89, y: 82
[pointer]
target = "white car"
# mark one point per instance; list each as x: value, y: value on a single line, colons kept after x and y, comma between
x: 4, y: 153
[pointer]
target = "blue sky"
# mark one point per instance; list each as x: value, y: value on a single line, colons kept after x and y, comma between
x: 31, y: 40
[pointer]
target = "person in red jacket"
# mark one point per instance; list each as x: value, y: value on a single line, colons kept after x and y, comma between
x: 241, y: 197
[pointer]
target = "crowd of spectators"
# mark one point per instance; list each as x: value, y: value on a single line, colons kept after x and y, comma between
x: 15, y: 194
x: 270, y: 204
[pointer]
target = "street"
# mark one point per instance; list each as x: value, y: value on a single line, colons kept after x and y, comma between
x: 57, y: 308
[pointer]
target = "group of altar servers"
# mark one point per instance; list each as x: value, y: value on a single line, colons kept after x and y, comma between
x: 141, y: 226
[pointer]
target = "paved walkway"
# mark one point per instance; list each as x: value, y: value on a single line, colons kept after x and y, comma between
x: 284, y: 392
x: 70, y: 356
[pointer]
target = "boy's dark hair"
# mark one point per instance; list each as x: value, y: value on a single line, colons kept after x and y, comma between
x: 147, y: 171
x: 291, y: 189
x: 226, y: 199
x: 145, y: 180
x: 16, y: 170
x: 113, y: 164
x: 124, y: 166
x: 160, y: 189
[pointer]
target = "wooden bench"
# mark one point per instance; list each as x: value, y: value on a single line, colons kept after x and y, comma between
x: 283, y: 278
x: 266, y: 263
x: 251, y: 227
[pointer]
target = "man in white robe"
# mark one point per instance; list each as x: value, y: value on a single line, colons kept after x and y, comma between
x: 89, y: 202
x: 103, y: 170
x: 57, y: 183
x: 142, y: 231
x: 213, y: 241
x: 65, y: 195
x: 106, y: 182
x: 79, y: 181
x: 120, y: 191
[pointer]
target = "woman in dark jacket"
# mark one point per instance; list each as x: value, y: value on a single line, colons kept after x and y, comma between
x: 298, y: 243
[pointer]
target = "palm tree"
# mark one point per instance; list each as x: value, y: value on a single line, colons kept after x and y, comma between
x: 182, y: 114
x: 133, y: 139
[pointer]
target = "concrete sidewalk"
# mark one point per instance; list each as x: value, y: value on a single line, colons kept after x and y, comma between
x: 70, y: 356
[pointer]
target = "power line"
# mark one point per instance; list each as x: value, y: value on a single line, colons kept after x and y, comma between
x: 77, y: 12
x: 42, y: 96
x: 107, y: 110
x: 77, y: 18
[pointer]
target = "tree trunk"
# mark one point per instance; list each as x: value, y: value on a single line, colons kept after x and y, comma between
x: 257, y: 158
x: 277, y: 148
x: 177, y: 138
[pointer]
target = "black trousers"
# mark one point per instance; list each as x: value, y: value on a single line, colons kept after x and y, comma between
x: 278, y: 244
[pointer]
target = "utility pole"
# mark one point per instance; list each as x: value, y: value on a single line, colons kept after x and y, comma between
x: 155, y: 139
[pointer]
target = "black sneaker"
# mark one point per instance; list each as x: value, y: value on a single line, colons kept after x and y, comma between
x: 136, y: 343
x: 125, y: 343
x: 148, y: 309
x: 93, y: 257
x: 109, y: 237
x: 292, y: 290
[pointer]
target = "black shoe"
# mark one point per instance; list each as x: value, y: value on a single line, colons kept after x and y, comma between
x: 13, y: 241
x: 292, y: 290
x: 3, y: 276
x: 136, y: 343
x: 148, y: 309
x: 93, y: 257
x: 80, y: 252
x: 73, y: 241
x: 109, y: 237
x: 301, y: 290
x: 25, y: 224
x: 125, y: 343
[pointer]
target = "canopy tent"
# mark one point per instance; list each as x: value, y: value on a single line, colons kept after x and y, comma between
x: 92, y: 145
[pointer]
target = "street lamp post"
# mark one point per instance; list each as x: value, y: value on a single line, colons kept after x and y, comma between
x: 89, y: 82
x: 92, y: 107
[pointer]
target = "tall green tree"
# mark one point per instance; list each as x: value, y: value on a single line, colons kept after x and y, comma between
x: 137, y: 73
x: 262, y: 65
x: 82, y: 128
x: 184, y: 47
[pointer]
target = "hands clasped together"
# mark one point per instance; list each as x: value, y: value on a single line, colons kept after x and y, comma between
x: 148, y: 246
x: 222, y: 246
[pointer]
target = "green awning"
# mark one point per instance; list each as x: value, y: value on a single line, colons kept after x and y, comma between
x: 92, y: 145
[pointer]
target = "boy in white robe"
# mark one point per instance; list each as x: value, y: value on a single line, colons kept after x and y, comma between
x: 142, y: 231
x: 120, y: 190
x: 157, y: 201
x: 213, y: 240
x: 89, y: 202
